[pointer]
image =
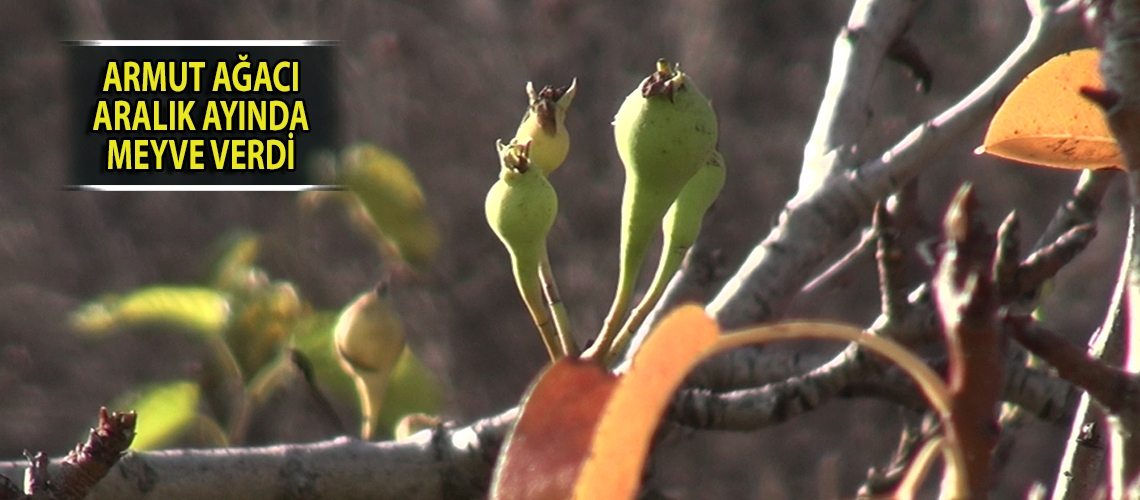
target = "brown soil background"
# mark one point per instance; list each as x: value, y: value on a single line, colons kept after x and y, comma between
x: 436, y: 82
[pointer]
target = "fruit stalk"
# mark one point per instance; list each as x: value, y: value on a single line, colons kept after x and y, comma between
x: 557, y: 307
x: 671, y: 259
x: 372, y: 389
x: 681, y: 226
x: 633, y: 248
x: 526, y: 271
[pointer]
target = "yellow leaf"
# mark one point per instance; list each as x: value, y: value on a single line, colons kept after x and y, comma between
x: 199, y: 310
x: 1046, y: 121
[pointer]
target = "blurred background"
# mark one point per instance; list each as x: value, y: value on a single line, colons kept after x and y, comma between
x: 436, y: 82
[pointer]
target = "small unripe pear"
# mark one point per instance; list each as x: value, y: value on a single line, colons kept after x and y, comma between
x: 664, y: 131
x: 521, y: 208
x: 544, y: 124
x: 522, y: 205
x: 369, y: 339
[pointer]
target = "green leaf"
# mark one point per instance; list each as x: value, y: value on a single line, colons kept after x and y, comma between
x: 165, y: 412
x: 201, y: 310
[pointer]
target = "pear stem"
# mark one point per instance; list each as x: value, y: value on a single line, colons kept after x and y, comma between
x: 557, y: 307
x: 526, y: 270
x: 671, y: 257
x: 636, y: 236
x: 601, y: 348
x: 371, y: 393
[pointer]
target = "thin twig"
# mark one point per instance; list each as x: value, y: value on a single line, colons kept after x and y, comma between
x: 1006, y: 259
x: 836, y: 269
x: 1043, y: 264
x: 889, y: 257
x: 918, y: 428
x: 1117, y: 390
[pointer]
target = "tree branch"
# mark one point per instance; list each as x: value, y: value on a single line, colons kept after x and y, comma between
x: 1039, y: 393
x: 815, y: 222
x: 1116, y: 27
x: 1082, y: 465
x: 862, y: 45
x: 441, y: 463
x: 1117, y: 390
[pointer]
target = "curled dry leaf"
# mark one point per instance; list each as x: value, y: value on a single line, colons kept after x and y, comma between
x: 621, y: 441
x: 1046, y: 121
x: 544, y: 452
x: 584, y: 433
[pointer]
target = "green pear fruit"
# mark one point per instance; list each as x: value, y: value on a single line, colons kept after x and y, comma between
x: 664, y: 131
x: 521, y: 208
x: 682, y: 223
x: 369, y: 339
x: 544, y: 124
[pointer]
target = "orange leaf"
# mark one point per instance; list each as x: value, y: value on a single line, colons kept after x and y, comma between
x: 1046, y: 121
x: 581, y: 423
x: 544, y: 452
x: 613, y: 469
